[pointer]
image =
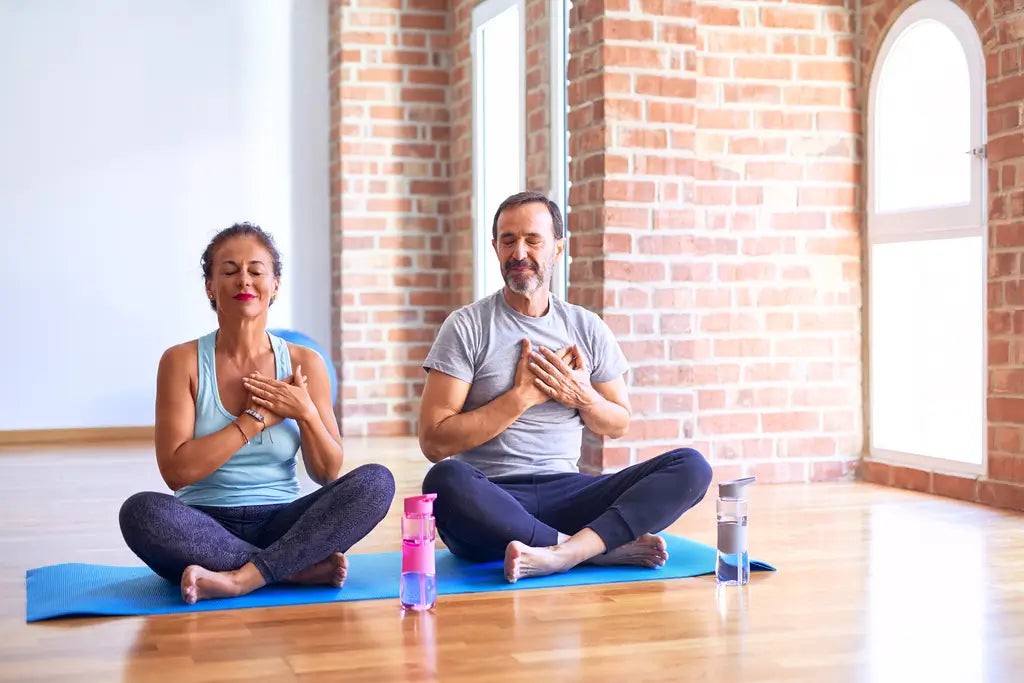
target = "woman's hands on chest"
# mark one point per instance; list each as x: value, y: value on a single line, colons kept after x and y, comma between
x: 234, y: 395
x: 288, y: 398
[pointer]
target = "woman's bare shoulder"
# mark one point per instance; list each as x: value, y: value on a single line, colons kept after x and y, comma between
x: 299, y: 354
x: 183, y: 354
x: 303, y: 355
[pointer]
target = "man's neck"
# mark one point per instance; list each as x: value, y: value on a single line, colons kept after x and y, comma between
x: 534, y: 305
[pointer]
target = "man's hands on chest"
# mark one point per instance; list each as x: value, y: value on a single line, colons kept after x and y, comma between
x: 560, y: 375
x: 446, y: 429
x: 529, y: 372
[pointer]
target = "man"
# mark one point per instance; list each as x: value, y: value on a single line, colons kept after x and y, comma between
x: 511, y: 381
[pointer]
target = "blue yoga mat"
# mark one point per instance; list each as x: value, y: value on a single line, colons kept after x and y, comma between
x: 89, y: 589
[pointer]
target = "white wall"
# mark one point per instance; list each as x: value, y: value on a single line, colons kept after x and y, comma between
x: 131, y: 132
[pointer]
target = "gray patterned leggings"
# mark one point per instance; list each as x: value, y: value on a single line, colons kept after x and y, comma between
x: 280, y: 540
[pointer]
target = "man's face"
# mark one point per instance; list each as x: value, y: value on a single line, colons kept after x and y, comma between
x: 526, y: 247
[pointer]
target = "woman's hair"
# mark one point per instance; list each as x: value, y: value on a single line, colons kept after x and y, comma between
x: 239, y: 230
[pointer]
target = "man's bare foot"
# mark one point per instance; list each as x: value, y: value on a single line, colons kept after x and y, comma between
x: 329, y: 572
x: 198, y: 583
x: 522, y: 561
x: 646, y: 551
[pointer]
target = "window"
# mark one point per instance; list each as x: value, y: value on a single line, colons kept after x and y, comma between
x: 559, y: 60
x: 499, y: 125
x: 927, y: 243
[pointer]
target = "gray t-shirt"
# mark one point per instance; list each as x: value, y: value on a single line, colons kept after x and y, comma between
x: 481, y: 344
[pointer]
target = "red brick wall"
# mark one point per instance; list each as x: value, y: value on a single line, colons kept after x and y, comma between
x: 588, y: 102
x: 714, y: 167
x: 712, y: 215
x: 538, y: 95
x: 1000, y: 25
x: 778, y: 246
x: 632, y: 85
x: 462, y: 153
x: 401, y: 178
x: 715, y: 217
x: 391, y: 196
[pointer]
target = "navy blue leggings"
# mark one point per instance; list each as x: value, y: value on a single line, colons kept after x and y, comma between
x: 280, y: 540
x: 477, y: 516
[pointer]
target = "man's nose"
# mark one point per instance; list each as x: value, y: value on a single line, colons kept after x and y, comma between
x: 520, y: 252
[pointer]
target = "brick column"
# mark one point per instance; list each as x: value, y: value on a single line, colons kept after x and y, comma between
x: 391, y: 191
x: 538, y: 94
x: 632, y: 113
x: 714, y: 226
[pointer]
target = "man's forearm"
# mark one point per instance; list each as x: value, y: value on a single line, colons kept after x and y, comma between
x: 463, y: 431
x: 605, y: 418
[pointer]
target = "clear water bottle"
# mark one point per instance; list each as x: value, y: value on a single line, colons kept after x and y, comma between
x: 418, y: 588
x: 733, y: 566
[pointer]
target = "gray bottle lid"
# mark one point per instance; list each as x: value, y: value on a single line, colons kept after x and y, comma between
x: 734, y: 489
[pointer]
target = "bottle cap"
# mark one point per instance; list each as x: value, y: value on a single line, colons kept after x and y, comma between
x: 420, y: 505
x: 734, y: 488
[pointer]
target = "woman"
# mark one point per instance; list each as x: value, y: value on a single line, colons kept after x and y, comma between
x: 231, y: 414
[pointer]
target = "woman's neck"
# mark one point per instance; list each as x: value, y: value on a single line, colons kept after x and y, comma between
x: 243, y: 341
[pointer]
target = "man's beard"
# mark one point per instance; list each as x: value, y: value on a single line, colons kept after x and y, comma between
x: 528, y: 282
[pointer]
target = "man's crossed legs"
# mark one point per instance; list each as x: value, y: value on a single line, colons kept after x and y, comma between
x: 549, y: 523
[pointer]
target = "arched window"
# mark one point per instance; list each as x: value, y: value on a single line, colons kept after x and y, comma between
x: 926, y: 201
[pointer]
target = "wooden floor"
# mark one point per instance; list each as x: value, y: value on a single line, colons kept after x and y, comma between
x: 875, y: 584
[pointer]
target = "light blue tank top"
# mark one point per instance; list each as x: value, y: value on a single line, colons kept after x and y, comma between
x: 263, y: 471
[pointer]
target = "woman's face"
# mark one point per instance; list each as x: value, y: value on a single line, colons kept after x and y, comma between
x: 242, y: 280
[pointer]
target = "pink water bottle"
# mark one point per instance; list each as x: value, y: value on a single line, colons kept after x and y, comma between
x: 418, y: 588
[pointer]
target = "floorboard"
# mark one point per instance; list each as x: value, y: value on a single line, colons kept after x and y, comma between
x: 875, y: 584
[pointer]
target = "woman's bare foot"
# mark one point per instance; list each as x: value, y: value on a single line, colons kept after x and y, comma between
x: 646, y: 551
x: 199, y: 583
x: 522, y: 561
x: 329, y: 572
